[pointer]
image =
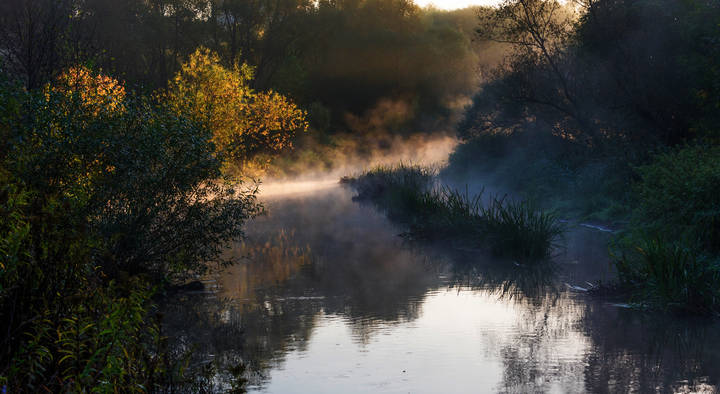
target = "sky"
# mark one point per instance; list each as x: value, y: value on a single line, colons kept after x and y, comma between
x: 454, y: 4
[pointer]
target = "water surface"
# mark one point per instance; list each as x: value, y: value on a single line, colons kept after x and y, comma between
x: 331, y: 299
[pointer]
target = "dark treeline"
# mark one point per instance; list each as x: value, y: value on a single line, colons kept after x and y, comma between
x: 344, y: 56
x: 612, y: 115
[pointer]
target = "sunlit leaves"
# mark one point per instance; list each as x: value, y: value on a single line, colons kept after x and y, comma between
x: 96, y: 91
x: 244, y: 122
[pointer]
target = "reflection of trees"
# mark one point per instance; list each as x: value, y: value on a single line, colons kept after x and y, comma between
x: 507, y: 280
x: 356, y: 268
x: 547, y: 319
x: 650, y: 352
x: 263, y: 264
x: 225, y: 334
x: 541, y: 352
x: 582, y: 345
x: 274, y: 295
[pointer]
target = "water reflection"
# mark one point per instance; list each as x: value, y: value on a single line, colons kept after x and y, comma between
x: 331, y: 300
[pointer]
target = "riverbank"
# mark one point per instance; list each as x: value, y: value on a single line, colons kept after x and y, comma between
x: 654, y: 273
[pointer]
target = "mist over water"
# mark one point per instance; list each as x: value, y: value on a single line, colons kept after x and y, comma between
x: 330, y: 299
x: 429, y: 150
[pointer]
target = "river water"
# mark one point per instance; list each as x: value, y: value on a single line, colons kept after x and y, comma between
x: 329, y: 299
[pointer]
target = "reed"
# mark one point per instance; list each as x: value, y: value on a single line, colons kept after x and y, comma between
x: 519, y: 230
x: 407, y: 194
x: 671, y: 275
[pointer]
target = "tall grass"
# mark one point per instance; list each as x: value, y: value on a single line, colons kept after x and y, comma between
x: 520, y: 230
x: 375, y: 182
x: 507, y: 228
x: 672, y: 276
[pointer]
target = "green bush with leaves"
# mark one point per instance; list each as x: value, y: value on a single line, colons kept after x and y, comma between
x: 678, y: 194
x: 97, y: 208
x: 670, y: 255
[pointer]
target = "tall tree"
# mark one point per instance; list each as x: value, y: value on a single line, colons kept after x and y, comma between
x: 32, y: 37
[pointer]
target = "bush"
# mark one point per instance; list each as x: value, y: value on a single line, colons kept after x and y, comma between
x: 678, y: 194
x: 98, y: 206
x: 146, y: 182
x: 670, y: 255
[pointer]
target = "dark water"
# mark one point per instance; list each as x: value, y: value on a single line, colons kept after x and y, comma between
x: 331, y: 300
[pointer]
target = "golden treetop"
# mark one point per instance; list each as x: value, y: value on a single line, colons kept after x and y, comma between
x: 95, y: 90
x: 243, y: 122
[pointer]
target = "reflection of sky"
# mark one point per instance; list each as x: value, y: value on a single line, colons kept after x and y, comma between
x: 457, y: 344
x: 332, y: 300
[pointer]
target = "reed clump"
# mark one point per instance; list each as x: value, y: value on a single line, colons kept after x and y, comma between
x: 411, y: 196
x: 671, y: 275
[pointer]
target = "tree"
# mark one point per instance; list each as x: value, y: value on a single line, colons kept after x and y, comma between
x: 244, y: 122
x: 32, y: 35
x: 103, y: 196
x: 97, y: 92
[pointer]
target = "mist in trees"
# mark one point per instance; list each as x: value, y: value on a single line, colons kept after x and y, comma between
x: 608, y: 111
x: 344, y: 55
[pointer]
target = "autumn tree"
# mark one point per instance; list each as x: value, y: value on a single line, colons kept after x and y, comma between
x: 96, y: 91
x: 245, y: 123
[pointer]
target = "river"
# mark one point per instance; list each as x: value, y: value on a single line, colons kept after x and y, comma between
x: 329, y: 299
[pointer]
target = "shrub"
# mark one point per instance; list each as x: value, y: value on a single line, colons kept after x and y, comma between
x: 678, y: 194
x: 98, y: 206
x: 146, y: 182
x: 670, y: 254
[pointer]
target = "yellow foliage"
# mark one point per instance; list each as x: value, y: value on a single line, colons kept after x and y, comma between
x: 96, y: 91
x: 244, y: 122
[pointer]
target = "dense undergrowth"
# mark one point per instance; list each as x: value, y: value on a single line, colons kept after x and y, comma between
x: 409, y: 195
x: 105, y: 199
x: 670, y: 253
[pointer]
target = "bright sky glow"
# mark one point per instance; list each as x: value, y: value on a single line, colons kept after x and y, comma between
x: 455, y: 4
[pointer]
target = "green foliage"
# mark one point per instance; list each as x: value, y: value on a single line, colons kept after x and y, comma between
x: 102, y: 342
x: 98, y: 206
x: 670, y: 275
x: 145, y: 181
x: 678, y: 193
x: 520, y: 230
x: 670, y: 255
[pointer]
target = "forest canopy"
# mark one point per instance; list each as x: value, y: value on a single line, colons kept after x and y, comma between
x: 311, y: 52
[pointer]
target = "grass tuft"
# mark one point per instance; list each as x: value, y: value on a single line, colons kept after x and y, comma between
x: 518, y: 229
x: 408, y: 195
x: 672, y: 276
